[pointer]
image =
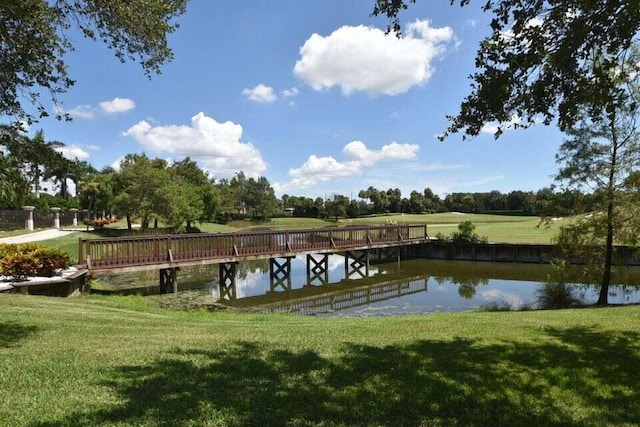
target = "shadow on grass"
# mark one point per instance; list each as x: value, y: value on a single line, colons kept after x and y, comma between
x: 11, y: 333
x: 575, y: 377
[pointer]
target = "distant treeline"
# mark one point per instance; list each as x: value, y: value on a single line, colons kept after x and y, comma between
x: 547, y: 201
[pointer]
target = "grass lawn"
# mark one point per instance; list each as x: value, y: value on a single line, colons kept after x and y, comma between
x: 69, y: 243
x: 498, y: 228
x: 97, y: 361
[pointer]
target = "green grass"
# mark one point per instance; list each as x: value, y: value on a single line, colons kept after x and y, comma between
x: 115, y: 361
x: 498, y: 228
x: 69, y: 243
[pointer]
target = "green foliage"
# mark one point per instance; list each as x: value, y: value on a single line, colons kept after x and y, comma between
x: 557, y: 292
x: 101, y: 222
x: 602, y: 153
x: 19, y: 262
x: 493, y: 306
x: 135, y: 29
x: 466, y: 234
x: 543, y: 60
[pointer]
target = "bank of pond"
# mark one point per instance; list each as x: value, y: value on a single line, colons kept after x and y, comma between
x: 414, y: 286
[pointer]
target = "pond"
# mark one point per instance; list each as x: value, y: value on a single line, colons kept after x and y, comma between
x: 390, y: 289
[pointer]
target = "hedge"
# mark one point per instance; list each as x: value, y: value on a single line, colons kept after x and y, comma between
x: 18, y: 262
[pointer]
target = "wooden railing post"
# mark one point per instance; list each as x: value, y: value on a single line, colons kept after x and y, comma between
x: 80, y: 251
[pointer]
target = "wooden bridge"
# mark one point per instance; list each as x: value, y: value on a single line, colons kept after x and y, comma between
x: 167, y: 253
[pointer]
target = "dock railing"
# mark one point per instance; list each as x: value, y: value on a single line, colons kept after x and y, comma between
x: 176, y: 248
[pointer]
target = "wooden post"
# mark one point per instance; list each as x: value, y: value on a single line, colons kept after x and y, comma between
x: 227, y: 281
x: 360, y: 262
x: 280, y: 273
x: 318, y: 270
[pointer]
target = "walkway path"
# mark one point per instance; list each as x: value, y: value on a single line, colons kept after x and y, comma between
x: 37, y: 236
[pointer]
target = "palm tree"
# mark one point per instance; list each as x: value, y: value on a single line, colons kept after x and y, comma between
x: 59, y: 168
x: 80, y: 170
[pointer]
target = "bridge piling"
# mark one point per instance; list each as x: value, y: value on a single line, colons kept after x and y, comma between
x: 317, y: 270
x: 168, y: 280
x: 355, y: 267
x: 280, y: 273
x: 227, y: 282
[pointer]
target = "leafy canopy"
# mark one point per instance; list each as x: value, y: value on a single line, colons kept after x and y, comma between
x: 36, y: 34
x: 543, y: 60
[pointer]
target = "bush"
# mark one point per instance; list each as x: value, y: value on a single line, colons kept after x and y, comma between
x: 496, y: 306
x: 557, y: 293
x: 19, y: 262
x: 466, y: 234
x: 442, y: 237
x: 100, y: 223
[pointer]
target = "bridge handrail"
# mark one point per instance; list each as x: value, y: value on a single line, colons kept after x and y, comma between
x: 157, y: 249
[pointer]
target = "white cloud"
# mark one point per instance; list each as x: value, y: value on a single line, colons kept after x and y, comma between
x: 216, y: 146
x: 287, y: 93
x: 82, y: 112
x: 117, y: 105
x: 261, y: 94
x: 321, y: 169
x: 72, y: 152
x: 117, y: 164
x: 493, y: 127
x: 366, y: 59
x: 23, y: 127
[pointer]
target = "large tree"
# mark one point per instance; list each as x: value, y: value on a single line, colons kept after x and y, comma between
x: 13, y: 184
x: 545, y: 60
x: 35, y: 35
x: 604, y: 156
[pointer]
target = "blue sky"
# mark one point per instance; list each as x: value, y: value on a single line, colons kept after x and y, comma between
x: 310, y: 94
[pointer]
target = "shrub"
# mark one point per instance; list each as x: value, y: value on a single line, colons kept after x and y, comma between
x: 466, y: 234
x: 100, y: 223
x: 442, y: 237
x: 19, y: 262
x: 557, y: 293
x: 496, y: 306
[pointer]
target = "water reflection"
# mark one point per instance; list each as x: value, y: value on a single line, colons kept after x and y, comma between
x: 407, y: 287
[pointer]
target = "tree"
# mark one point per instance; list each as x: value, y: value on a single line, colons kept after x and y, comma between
x: 604, y: 156
x: 260, y: 197
x: 394, y: 200
x: 95, y: 192
x: 35, y: 35
x: 139, y: 188
x: 13, y: 184
x: 544, y: 60
x: 59, y: 168
x: 203, y: 200
x: 80, y: 170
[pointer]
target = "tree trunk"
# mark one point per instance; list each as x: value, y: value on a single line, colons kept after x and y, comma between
x: 129, y: 227
x: 603, y: 298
